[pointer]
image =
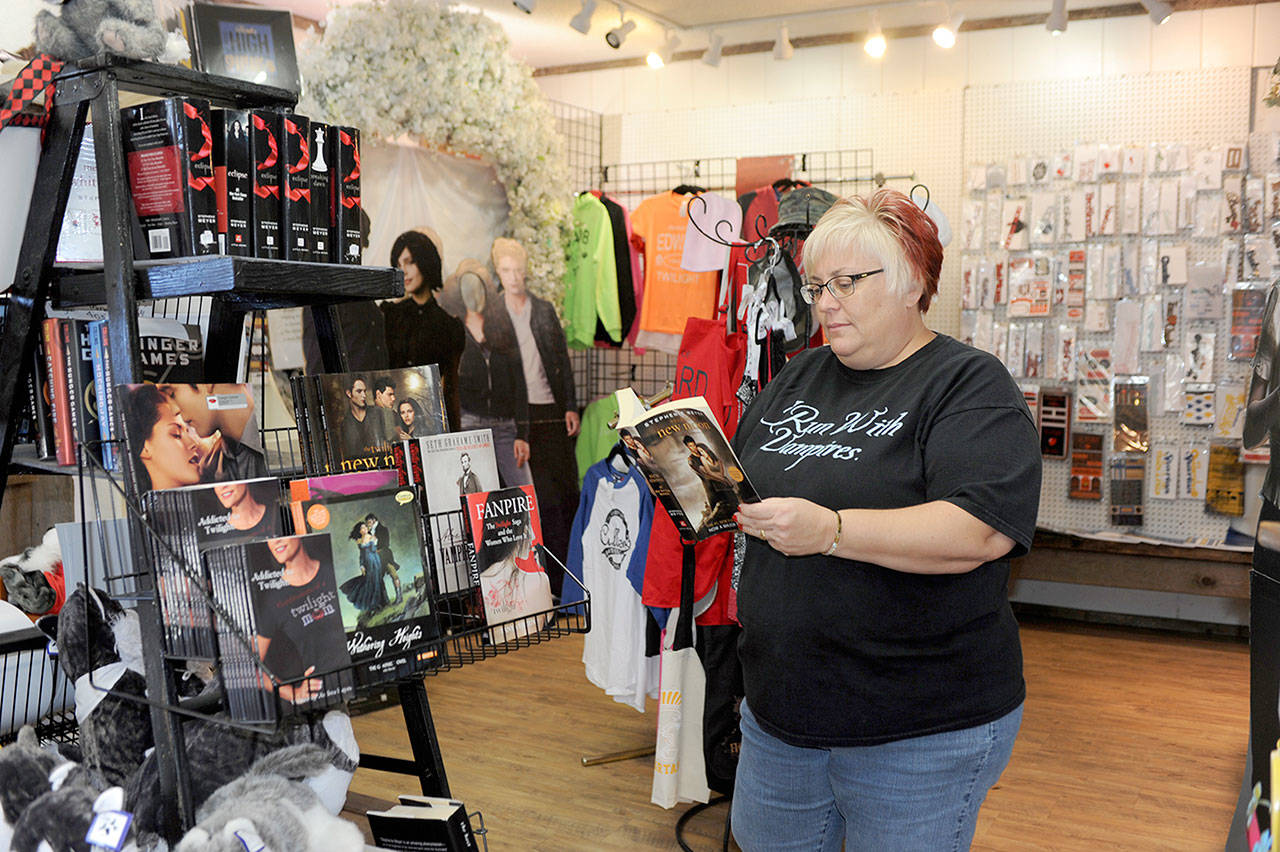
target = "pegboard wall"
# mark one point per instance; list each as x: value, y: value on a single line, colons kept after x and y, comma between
x: 1203, y: 109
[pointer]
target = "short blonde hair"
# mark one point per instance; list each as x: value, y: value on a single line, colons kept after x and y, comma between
x: 507, y: 247
x: 889, y: 227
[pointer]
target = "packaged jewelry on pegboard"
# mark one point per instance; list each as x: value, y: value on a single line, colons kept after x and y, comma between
x: 1131, y: 430
x: 1248, y: 304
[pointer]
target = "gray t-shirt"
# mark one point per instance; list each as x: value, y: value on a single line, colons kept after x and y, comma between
x: 535, y: 374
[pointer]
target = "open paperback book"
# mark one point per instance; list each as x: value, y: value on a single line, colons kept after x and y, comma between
x: 687, y: 461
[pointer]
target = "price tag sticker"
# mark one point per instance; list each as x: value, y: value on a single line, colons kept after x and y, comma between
x: 109, y: 829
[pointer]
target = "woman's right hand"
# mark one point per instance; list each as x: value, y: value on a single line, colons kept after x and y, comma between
x: 308, y: 689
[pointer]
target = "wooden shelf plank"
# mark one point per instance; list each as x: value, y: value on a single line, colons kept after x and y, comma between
x: 25, y: 458
x: 249, y: 282
x: 1061, y: 541
x: 159, y: 79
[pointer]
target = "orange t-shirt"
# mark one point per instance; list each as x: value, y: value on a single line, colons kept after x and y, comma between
x: 671, y: 295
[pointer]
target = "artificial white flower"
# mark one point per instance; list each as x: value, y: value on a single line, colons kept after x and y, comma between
x: 446, y: 77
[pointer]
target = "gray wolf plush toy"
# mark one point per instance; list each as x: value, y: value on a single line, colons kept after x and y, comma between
x: 25, y: 768
x: 33, y: 578
x: 267, y: 808
x: 129, y: 28
x: 61, y: 818
x: 222, y: 754
x: 99, y: 646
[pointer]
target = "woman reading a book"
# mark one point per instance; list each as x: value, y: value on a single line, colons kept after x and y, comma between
x: 899, y: 471
x: 366, y: 590
x: 167, y: 454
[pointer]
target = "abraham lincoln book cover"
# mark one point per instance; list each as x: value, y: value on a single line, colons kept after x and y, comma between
x: 687, y: 461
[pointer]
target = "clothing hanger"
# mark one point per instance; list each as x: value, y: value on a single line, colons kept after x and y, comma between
x: 688, y: 189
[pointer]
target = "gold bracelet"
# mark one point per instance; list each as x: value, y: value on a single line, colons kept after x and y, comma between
x: 836, y: 543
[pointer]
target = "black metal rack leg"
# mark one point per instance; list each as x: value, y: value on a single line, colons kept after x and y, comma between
x: 35, y: 263
x: 428, y: 763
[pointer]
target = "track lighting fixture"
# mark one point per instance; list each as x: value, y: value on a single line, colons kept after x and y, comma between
x: 782, y: 48
x: 1158, y: 10
x: 875, y: 44
x: 712, y: 55
x: 944, y: 35
x: 1056, y: 23
x: 582, y: 21
x: 669, y: 48
x: 616, y: 36
x: 525, y: 6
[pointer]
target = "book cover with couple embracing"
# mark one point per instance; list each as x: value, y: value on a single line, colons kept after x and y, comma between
x: 687, y: 461
x: 386, y: 597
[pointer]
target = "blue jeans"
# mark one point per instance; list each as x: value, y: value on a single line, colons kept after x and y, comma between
x: 921, y: 793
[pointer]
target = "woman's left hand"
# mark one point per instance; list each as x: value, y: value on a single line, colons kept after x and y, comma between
x: 790, y: 525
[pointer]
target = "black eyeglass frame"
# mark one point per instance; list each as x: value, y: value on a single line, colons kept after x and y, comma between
x: 810, y: 292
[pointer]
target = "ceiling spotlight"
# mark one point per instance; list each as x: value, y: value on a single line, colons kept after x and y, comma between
x: 1056, y: 23
x: 782, y: 48
x: 616, y: 36
x: 944, y: 35
x: 654, y: 59
x: 525, y: 6
x: 875, y: 44
x: 712, y: 55
x: 1158, y: 10
x: 669, y: 48
x: 582, y: 21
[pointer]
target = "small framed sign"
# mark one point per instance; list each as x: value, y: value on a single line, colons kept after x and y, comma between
x: 247, y: 43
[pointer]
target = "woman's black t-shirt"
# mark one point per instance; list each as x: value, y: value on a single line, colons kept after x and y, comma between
x: 840, y: 653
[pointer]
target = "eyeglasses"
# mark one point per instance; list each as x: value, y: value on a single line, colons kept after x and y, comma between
x: 841, y: 286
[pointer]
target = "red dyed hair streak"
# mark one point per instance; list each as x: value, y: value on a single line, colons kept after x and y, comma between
x: 917, y: 236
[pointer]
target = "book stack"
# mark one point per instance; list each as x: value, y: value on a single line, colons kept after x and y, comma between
x: 72, y: 372
x: 190, y: 521
x: 253, y: 183
x: 277, y: 592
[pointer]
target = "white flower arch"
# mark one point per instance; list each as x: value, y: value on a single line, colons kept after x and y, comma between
x: 446, y: 77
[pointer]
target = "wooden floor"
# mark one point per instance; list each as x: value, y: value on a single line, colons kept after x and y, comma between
x: 1131, y: 740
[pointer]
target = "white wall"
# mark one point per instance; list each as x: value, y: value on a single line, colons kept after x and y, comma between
x: 1213, y: 38
x: 910, y: 107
